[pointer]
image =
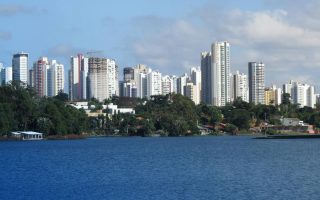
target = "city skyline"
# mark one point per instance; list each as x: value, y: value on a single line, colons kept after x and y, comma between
x: 163, y: 37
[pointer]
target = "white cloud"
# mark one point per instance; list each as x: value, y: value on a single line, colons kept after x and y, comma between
x: 285, y: 45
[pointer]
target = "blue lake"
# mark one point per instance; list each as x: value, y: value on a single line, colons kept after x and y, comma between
x: 161, y: 168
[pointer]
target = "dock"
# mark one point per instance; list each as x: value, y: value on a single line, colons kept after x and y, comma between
x: 303, y: 136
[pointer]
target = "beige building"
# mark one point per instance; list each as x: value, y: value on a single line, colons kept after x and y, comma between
x: 269, y: 95
x: 192, y: 91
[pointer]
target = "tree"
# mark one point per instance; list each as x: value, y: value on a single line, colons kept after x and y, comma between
x: 62, y: 96
x: 209, y: 114
x: 286, y: 99
x: 239, y: 117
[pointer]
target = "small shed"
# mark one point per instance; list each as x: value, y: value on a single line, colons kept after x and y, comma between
x: 28, y: 135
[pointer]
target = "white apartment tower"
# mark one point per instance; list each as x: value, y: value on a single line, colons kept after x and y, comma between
x: 167, y: 85
x: 154, y: 83
x: 20, y: 67
x: 302, y: 94
x: 140, y: 79
x: 78, y: 78
x: 174, y: 84
x: 256, y: 83
x: 113, y: 80
x: 55, y: 78
x: 240, y: 86
x: 220, y: 73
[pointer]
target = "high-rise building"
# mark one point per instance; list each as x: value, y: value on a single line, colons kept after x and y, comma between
x: 140, y: 79
x: 78, y: 78
x: 192, y: 92
x: 206, y: 79
x: 128, y: 74
x: 128, y: 89
x: 55, y: 78
x: 5, y: 74
x: 20, y: 67
x: 220, y: 73
x: 181, y: 83
x: 278, y: 96
x: 195, y: 76
x: 154, y: 83
x: 287, y: 88
x: 256, y: 83
x: 103, y: 78
x: 167, y: 85
x: 311, y: 97
x: 174, y: 84
x: 113, y: 79
x: 98, y: 78
x: 240, y: 86
x: 302, y: 94
x: 31, y: 77
x: 269, y: 96
x: 40, y: 69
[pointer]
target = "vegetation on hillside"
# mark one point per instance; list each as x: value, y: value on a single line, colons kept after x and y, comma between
x: 169, y: 115
x: 21, y: 110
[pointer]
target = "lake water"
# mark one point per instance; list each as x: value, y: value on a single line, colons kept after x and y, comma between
x: 161, y: 168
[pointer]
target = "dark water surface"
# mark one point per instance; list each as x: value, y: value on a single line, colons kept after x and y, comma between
x: 161, y: 168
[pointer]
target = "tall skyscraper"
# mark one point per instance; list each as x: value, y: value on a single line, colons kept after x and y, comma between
x: 154, y: 86
x: 301, y: 94
x: 78, y: 78
x: 195, y: 77
x: 20, y: 67
x: 220, y: 73
x: 181, y: 83
x: 240, y: 86
x: 128, y: 74
x: 256, y: 83
x: 7, y: 75
x: 140, y: 79
x: 40, y: 68
x: 128, y: 89
x: 174, y: 84
x: 192, y: 92
x: 113, y: 79
x: 103, y: 78
x: 167, y: 85
x: 31, y: 78
x: 55, y: 78
x: 98, y: 78
x: 206, y: 79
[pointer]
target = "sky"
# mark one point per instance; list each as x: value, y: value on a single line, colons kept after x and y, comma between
x: 168, y: 35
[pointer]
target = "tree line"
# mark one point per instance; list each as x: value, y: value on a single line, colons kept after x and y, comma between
x: 22, y: 110
x: 166, y: 115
